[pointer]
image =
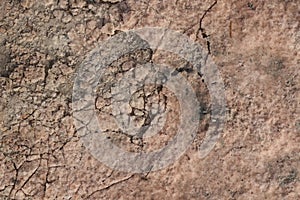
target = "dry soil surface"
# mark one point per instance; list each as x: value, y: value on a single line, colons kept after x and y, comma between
x: 255, y: 45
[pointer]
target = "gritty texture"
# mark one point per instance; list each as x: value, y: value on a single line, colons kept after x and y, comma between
x: 147, y: 104
x: 256, y: 46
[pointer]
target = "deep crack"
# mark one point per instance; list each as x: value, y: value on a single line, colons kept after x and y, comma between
x: 202, y: 30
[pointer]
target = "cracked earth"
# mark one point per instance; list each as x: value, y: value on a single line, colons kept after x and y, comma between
x: 255, y: 45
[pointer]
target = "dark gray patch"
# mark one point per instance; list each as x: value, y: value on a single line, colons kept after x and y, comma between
x: 291, y: 177
x: 6, y: 68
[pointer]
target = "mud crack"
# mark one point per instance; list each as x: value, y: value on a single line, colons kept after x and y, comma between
x: 202, y: 30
